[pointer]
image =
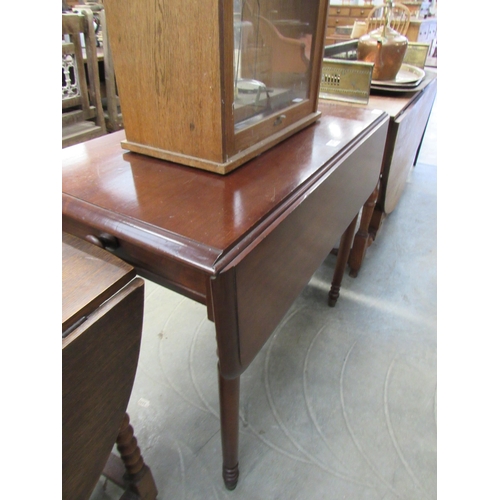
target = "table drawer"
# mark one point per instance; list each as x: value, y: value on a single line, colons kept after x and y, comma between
x: 337, y: 21
x: 359, y: 12
x: 341, y: 21
x: 339, y: 11
x: 148, y: 259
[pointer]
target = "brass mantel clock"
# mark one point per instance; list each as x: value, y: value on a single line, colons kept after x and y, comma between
x: 213, y: 83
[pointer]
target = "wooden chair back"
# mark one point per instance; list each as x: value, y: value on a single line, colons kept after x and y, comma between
x: 82, y: 113
x: 111, y: 101
x: 399, y: 18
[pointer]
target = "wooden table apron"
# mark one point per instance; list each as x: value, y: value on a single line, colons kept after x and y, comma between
x: 244, y: 244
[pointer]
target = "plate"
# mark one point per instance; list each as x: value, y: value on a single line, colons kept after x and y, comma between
x: 392, y: 90
x: 408, y: 76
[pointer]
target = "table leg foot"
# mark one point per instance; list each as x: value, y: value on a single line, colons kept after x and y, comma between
x: 129, y: 471
x: 353, y: 273
x: 229, y: 398
x: 139, y: 474
x: 333, y: 296
x: 340, y: 264
x: 230, y: 476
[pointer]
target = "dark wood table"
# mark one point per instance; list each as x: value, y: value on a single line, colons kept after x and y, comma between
x: 409, y: 114
x: 102, y: 310
x: 244, y: 244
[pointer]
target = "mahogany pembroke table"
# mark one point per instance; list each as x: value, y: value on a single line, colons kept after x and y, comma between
x: 244, y: 244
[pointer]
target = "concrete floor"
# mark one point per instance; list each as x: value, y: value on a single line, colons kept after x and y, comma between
x: 339, y: 404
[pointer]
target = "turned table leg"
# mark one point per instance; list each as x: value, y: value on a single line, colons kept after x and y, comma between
x: 229, y: 397
x: 130, y: 472
x: 363, y: 239
x: 342, y: 255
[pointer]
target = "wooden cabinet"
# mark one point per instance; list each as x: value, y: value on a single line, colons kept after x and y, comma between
x: 343, y: 15
x: 213, y: 86
x: 420, y: 30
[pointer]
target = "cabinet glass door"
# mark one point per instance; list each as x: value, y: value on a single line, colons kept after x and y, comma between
x: 271, y: 65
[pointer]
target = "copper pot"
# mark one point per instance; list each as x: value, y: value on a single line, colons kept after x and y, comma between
x: 385, y: 48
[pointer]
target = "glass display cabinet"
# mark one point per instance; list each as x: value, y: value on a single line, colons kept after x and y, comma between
x: 213, y: 83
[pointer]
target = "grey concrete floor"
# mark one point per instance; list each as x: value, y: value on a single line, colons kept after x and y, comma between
x: 339, y: 404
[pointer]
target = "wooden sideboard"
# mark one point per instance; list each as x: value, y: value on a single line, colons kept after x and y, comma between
x: 342, y: 14
x: 345, y: 15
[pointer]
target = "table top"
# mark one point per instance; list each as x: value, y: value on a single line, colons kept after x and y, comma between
x: 198, y: 217
x: 81, y: 294
x: 395, y: 103
x: 244, y: 244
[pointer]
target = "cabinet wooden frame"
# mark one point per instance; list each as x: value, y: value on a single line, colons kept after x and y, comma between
x: 174, y: 68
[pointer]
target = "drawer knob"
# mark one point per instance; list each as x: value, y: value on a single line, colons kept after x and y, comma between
x: 106, y: 241
x: 279, y: 120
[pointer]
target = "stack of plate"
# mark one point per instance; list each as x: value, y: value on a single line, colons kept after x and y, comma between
x: 408, y: 78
